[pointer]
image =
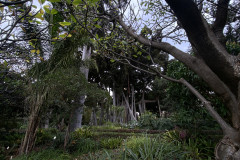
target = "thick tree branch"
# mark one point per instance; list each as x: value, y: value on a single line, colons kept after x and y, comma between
x: 12, y: 3
x: 227, y: 129
x: 204, y: 40
x: 197, y: 65
x: 14, y: 25
x: 221, y: 19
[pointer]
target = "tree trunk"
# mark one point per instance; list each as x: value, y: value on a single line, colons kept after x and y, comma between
x: 102, y: 115
x: 159, y: 107
x: 93, y: 119
x: 76, y: 121
x: 129, y: 109
x: 76, y: 118
x: 34, y: 120
x: 30, y: 135
x: 114, y: 95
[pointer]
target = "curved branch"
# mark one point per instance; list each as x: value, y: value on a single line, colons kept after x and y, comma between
x: 15, y: 24
x: 227, y: 129
x: 206, y: 43
x: 197, y: 65
x: 12, y: 3
x: 221, y: 14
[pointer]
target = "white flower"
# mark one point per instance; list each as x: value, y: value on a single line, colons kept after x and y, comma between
x: 54, y: 137
x: 8, y: 147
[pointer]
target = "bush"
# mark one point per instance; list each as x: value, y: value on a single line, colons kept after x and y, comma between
x: 198, y: 148
x: 150, y: 121
x: 82, y: 133
x: 83, y: 145
x: 107, y: 125
x: 194, y: 148
x: 111, y: 143
x: 47, y: 154
x: 134, y: 142
x: 49, y: 136
x: 138, y: 148
x: 9, y: 142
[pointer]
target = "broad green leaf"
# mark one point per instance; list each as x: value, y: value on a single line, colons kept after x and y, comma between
x: 53, y: 1
x: 33, y: 51
x: 97, y: 26
x: 62, y: 35
x: 41, y: 11
x: 77, y: 2
x: 94, y: 1
x: 38, y: 22
x: 34, y: 6
x: 31, y: 44
x: 149, y: 58
x: 112, y: 60
x: 46, y: 8
x: 69, y: 1
x: 42, y: 1
x: 73, y: 19
x: 54, y: 11
x: 5, y: 63
x: 97, y: 36
x: 65, y: 23
x: 135, y: 56
x: 38, y: 51
x: 1, y: 8
x: 39, y: 15
x: 69, y: 35
x: 139, y: 53
x: 95, y: 19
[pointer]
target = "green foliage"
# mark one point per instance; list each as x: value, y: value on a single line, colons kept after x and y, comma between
x: 111, y: 143
x: 193, y: 120
x: 200, y: 147
x: 134, y: 143
x: 11, y: 98
x: 43, y: 136
x: 82, y: 133
x: 47, y: 154
x: 152, y: 149
x: 150, y: 121
x: 107, y: 125
x: 49, y: 137
x: 9, y: 143
x: 83, y: 146
x: 233, y: 48
x: 10, y: 138
x: 190, y: 112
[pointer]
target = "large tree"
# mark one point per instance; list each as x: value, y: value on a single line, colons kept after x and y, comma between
x: 211, y: 61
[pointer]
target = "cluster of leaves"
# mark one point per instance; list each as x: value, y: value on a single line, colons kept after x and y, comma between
x: 111, y: 143
x: 11, y: 98
x: 150, y: 121
x: 184, y: 100
x: 47, y: 154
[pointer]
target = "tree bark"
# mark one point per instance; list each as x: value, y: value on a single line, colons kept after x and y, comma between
x: 219, y: 69
x: 129, y: 109
x: 76, y: 121
x: 33, y: 124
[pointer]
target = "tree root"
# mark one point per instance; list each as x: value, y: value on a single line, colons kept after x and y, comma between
x: 227, y: 150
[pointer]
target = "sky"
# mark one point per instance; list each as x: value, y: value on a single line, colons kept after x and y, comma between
x: 136, y: 5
